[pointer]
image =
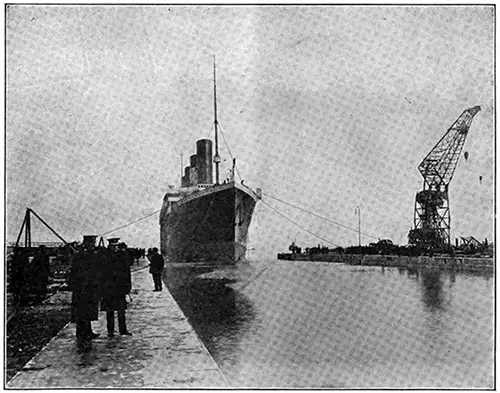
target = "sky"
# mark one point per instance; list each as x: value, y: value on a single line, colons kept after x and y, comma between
x: 327, y: 108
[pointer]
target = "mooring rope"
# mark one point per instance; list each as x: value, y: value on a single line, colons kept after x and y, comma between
x: 271, y: 207
x: 254, y: 278
x: 300, y: 226
x: 319, y: 216
x: 130, y: 223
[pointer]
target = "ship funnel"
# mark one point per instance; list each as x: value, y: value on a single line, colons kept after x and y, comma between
x: 185, y: 178
x: 204, y: 161
x: 193, y: 170
x: 192, y: 161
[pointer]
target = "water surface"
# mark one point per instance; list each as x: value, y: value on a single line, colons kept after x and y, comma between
x: 303, y: 324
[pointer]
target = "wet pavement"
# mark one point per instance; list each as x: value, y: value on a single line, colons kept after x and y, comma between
x: 163, y: 352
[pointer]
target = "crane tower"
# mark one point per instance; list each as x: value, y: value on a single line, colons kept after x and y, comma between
x: 432, y: 211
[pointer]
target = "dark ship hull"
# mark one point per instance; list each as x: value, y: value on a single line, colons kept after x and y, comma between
x: 202, y: 222
x: 207, y: 225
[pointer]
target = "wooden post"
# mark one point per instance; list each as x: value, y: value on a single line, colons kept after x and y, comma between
x: 27, y: 232
x: 22, y: 227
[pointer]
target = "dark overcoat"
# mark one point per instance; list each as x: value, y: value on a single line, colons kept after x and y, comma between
x: 84, y: 282
x: 157, y: 264
x: 116, y: 280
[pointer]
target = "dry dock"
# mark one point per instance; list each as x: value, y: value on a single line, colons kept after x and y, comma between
x: 164, y: 351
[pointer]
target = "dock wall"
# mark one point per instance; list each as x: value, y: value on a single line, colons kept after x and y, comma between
x: 435, y: 262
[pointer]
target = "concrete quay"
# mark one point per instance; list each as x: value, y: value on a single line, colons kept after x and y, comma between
x: 163, y: 352
x: 467, y: 264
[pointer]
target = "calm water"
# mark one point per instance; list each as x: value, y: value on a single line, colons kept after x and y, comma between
x: 299, y: 324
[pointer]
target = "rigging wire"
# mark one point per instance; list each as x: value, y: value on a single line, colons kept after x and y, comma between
x: 317, y: 215
x: 271, y: 207
x: 130, y: 223
x: 295, y: 206
x: 211, y: 129
x: 300, y: 226
x: 229, y: 150
x: 157, y: 211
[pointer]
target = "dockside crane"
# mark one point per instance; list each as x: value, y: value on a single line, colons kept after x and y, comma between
x: 432, y: 209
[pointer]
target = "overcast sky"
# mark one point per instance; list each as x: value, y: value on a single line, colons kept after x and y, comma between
x: 325, y: 107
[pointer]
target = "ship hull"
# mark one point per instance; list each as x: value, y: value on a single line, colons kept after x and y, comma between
x: 210, y: 226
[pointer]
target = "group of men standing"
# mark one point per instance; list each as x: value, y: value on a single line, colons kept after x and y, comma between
x: 99, y: 276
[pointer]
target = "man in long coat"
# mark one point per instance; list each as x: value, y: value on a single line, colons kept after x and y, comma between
x: 84, y: 281
x: 116, y: 284
x: 156, y: 268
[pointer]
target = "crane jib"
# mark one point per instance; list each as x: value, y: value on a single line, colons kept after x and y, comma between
x: 444, y: 155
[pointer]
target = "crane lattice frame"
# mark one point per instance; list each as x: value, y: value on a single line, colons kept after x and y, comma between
x: 432, y: 218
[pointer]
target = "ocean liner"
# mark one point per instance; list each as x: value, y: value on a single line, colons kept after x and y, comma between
x: 203, y: 221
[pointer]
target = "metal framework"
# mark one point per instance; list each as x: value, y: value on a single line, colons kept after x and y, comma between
x: 432, y: 209
x: 26, y: 226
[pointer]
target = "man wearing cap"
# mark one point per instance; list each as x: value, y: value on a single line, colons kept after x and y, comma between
x: 116, y: 284
x: 84, y: 281
x: 156, y: 267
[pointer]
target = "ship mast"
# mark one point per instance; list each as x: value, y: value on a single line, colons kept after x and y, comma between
x: 182, y: 167
x: 216, y: 157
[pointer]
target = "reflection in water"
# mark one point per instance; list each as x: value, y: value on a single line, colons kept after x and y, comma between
x: 412, y: 273
x: 326, y: 325
x: 213, y: 308
x: 432, y: 290
x: 453, y: 278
